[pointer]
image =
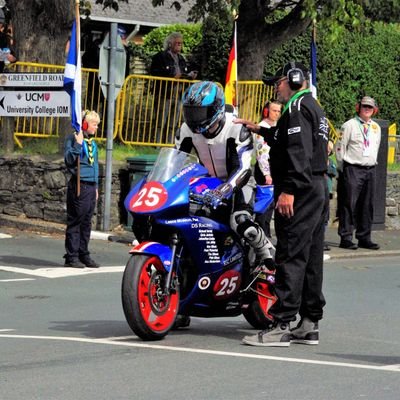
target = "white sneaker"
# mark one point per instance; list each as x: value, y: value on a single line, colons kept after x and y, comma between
x: 277, y: 336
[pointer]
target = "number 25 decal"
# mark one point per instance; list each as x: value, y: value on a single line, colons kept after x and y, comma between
x: 151, y: 197
x: 227, y: 284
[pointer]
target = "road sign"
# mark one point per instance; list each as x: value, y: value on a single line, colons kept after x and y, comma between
x: 34, y: 104
x: 27, y: 79
x: 119, y: 65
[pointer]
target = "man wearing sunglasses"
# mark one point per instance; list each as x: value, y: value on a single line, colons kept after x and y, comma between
x: 357, y: 153
x: 298, y: 161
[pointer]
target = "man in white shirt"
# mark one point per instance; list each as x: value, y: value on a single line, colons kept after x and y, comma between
x: 357, y: 153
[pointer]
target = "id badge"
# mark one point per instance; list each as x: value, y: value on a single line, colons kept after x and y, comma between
x: 367, y: 151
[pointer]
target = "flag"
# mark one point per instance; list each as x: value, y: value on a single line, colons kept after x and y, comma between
x: 231, y: 74
x: 73, y: 79
x: 313, y: 65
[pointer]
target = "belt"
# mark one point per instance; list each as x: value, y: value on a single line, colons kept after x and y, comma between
x: 88, y: 183
x: 362, y: 166
x: 358, y: 165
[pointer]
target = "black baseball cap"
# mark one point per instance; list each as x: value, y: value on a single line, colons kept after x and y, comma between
x: 270, y: 80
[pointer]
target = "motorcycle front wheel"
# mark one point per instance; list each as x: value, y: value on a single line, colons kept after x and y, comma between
x: 148, y: 309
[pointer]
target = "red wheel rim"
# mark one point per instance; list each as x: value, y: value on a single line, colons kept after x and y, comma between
x: 265, y: 298
x: 157, y: 309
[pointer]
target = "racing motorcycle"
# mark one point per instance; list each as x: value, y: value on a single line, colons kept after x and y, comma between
x: 188, y: 260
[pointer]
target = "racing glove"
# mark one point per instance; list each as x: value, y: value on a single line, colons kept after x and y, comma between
x: 214, y: 198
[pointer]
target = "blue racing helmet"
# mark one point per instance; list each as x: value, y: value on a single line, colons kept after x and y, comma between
x: 203, y: 106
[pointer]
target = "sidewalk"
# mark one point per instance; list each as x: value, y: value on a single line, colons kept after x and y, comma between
x: 389, y: 240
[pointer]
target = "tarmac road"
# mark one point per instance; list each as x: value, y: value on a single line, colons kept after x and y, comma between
x: 63, y: 336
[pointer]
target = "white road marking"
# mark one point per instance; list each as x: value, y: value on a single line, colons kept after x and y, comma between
x: 7, y: 330
x: 113, y: 342
x: 394, y: 366
x: 5, y: 236
x: 17, y: 280
x: 61, y: 272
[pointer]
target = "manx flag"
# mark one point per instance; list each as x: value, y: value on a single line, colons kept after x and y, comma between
x: 231, y: 74
x: 313, y: 67
x: 73, y: 79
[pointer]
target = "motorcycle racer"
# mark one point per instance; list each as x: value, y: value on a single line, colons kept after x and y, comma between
x: 226, y: 150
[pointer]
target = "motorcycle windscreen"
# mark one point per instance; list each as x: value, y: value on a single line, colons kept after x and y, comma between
x: 169, y: 162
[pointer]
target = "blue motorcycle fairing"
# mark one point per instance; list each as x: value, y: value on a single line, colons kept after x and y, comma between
x: 132, y: 192
x: 163, y: 252
x: 207, y: 234
x: 204, y: 294
x: 264, y: 197
x: 200, y: 185
x: 177, y: 189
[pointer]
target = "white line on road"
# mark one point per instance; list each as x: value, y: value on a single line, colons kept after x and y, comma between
x: 113, y: 342
x: 5, y: 236
x: 7, y: 330
x: 61, y: 272
x: 17, y: 280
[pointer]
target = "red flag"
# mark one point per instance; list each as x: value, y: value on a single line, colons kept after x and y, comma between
x: 231, y: 74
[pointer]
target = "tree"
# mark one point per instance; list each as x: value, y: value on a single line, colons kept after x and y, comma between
x: 260, y: 31
x: 261, y: 28
x: 41, y: 29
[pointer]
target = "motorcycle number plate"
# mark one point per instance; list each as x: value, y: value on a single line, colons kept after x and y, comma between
x: 150, y: 197
x: 227, y: 284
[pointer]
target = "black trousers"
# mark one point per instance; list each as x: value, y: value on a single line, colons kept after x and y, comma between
x: 264, y: 220
x: 299, y: 255
x: 79, y: 219
x: 356, y: 206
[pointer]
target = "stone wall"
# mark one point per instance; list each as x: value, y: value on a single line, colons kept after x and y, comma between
x: 393, y: 200
x: 34, y: 187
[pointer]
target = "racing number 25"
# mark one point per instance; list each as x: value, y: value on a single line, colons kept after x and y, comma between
x: 151, y: 196
x: 227, y: 285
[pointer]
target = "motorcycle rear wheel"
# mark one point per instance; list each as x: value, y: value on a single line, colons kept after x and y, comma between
x: 257, y: 312
x: 148, y: 310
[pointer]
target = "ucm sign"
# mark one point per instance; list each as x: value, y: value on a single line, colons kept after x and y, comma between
x: 34, y: 104
x: 41, y: 95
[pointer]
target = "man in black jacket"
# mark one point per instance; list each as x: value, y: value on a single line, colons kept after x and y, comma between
x: 298, y: 160
x: 169, y: 63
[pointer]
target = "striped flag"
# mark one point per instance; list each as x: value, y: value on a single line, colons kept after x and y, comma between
x: 313, y: 65
x: 231, y: 74
x: 73, y: 79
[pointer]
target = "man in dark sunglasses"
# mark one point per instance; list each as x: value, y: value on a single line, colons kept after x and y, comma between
x: 357, y: 153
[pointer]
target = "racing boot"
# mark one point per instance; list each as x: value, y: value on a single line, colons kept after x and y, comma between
x: 252, y: 233
x: 181, y: 321
x: 264, y: 271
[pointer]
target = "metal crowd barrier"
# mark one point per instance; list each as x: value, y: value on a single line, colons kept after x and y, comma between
x: 148, y: 108
x: 92, y: 98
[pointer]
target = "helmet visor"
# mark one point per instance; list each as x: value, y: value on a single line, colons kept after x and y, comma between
x: 197, y: 117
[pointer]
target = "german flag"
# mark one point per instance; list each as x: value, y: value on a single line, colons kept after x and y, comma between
x: 231, y: 74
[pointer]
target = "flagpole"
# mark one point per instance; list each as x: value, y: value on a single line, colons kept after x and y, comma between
x: 78, y: 39
x: 236, y: 56
x: 313, y: 60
